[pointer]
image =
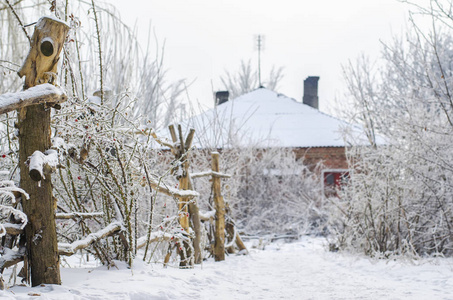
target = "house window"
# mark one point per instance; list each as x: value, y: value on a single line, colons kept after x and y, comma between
x: 334, y: 180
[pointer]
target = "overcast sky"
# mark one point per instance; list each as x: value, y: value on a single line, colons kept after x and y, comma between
x: 203, y: 38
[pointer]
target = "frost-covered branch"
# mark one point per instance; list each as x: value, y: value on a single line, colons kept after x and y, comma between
x: 13, y: 229
x: 7, y: 189
x: 11, y: 257
x: 18, y: 215
x: 44, y: 93
x: 210, y: 173
x: 154, y: 237
x: 398, y: 201
x: 78, y: 215
x: 70, y: 249
x: 160, y: 141
x: 169, y: 191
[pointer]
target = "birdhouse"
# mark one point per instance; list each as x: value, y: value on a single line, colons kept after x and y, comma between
x: 47, y: 41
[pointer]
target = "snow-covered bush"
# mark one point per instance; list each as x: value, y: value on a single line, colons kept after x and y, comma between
x: 278, y: 194
x: 270, y: 192
x: 116, y: 93
x: 400, y: 195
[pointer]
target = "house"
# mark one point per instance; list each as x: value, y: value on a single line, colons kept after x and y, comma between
x: 265, y: 119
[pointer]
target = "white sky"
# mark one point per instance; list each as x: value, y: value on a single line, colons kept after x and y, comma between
x: 203, y: 38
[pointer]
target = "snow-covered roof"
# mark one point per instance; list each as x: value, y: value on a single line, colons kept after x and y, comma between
x: 263, y: 118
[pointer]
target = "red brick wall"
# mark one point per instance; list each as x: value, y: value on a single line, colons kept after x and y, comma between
x: 331, y: 157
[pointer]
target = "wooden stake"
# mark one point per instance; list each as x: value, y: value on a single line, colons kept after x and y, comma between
x: 183, y: 204
x: 219, y: 240
x: 188, y: 210
x: 196, y: 224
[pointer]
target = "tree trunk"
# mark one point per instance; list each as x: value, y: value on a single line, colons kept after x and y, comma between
x: 40, y: 67
x: 219, y: 240
x: 40, y: 232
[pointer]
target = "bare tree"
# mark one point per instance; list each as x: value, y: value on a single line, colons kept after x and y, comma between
x: 107, y: 184
x: 399, y: 197
x: 245, y: 79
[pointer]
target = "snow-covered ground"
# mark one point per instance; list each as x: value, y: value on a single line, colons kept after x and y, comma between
x: 299, y: 270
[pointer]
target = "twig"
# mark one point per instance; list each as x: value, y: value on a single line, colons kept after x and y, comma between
x: 98, y: 36
x: 19, y: 20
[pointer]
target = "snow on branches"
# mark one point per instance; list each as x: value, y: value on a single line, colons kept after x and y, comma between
x: 70, y: 249
x: 8, y: 194
x: 41, y: 164
x: 44, y: 93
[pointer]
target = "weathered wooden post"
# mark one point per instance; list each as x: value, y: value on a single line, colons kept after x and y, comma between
x: 219, y: 241
x: 221, y: 209
x: 231, y: 230
x: 40, y: 67
x: 185, y: 206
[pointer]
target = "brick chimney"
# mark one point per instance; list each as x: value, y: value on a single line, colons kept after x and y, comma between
x: 221, y: 97
x: 311, y: 91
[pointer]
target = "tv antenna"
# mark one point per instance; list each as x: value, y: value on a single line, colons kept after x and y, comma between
x: 259, y: 46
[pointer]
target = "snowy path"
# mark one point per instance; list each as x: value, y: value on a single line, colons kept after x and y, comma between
x: 302, y: 270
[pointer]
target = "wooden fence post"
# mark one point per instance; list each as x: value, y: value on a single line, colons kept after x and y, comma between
x: 40, y: 67
x: 188, y: 209
x: 221, y: 209
x: 219, y: 241
x: 184, y: 205
x: 196, y: 223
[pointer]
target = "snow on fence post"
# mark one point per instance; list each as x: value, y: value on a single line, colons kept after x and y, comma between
x: 219, y: 241
x: 40, y: 67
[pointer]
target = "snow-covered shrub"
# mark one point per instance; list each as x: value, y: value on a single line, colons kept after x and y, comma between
x: 400, y: 195
x: 116, y: 93
x: 270, y: 192
x: 278, y: 194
